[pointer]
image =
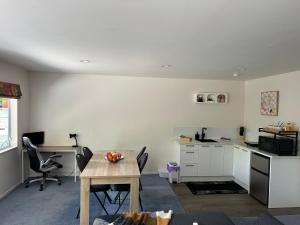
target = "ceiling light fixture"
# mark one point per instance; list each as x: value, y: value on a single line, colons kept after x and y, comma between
x: 85, y: 61
x: 236, y: 74
x: 166, y: 66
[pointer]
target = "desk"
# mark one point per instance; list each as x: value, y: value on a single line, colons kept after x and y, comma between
x: 55, y: 149
x: 100, y: 171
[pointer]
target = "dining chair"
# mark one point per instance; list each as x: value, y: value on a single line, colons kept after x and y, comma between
x: 137, y: 158
x: 82, y: 162
x: 120, y: 188
x: 88, y: 154
x: 141, y: 153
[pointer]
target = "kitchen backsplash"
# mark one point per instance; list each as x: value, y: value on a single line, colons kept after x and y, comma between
x: 212, y: 132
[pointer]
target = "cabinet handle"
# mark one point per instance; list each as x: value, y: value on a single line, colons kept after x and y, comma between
x: 190, y: 152
x: 190, y: 146
x: 189, y: 165
x: 205, y: 146
x: 218, y: 146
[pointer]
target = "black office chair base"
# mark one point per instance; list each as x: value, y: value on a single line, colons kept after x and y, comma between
x: 43, y: 180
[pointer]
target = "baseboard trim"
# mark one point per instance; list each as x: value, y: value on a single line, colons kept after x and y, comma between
x: 150, y: 173
x: 9, y: 191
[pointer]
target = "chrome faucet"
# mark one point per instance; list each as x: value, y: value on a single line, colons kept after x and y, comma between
x: 203, y: 133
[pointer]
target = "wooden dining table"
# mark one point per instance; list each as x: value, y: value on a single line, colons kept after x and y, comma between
x: 100, y: 171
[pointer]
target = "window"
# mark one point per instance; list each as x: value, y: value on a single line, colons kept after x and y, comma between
x: 8, y: 123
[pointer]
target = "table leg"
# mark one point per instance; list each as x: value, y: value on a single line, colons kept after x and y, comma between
x: 84, y: 201
x: 134, y: 194
x: 22, y: 152
x: 75, y: 167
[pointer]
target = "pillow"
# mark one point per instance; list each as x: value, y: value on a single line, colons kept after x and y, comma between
x: 267, y: 219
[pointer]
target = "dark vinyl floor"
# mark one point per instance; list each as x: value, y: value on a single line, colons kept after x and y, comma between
x: 240, y: 205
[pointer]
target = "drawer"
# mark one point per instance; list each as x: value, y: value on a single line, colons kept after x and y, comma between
x: 189, y: 156
x: 260, y: 162
x: 189, y: 147
x: 189, y: 170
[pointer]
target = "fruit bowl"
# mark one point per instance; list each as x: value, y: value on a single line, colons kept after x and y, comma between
x: 113, y: 157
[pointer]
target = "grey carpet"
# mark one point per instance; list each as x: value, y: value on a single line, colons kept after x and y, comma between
x: 58, y: 205
x: 286, y: 220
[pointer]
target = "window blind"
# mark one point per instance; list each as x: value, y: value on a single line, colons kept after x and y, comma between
x: 9, y: 90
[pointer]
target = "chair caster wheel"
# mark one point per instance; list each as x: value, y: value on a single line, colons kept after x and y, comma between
x: 41, y: 188
x: 26, y: 185
x: 59, y: 183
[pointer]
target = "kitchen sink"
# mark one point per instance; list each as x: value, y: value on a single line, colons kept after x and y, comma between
x: 207, y: 140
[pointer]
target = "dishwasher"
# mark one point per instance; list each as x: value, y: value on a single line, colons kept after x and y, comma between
x: 259, y: 178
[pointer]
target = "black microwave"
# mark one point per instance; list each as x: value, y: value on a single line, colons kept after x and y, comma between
x: 279, y: 146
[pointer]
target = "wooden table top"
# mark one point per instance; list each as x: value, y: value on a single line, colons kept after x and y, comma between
x: 99, y: 167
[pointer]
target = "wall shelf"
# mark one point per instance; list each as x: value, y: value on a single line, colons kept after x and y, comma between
x: 211, y: 98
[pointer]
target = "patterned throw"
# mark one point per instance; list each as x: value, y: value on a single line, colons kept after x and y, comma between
x: 143, y: 218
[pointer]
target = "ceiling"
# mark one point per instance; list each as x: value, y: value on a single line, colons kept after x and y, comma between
x: 200, y: 39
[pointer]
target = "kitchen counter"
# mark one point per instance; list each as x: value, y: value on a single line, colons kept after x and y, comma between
x: 222, y: 142
x: 241, y: 145
x: 264, y: 153
x: 231, y: 160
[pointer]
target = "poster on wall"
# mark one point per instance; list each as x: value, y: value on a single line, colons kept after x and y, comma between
x: 269, y: 103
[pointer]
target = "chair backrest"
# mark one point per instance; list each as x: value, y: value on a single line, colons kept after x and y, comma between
x: 141, y: 153
x: 142, y: 161
x: 87, y: 153
x: 81, y: 162
x: 34, y: 155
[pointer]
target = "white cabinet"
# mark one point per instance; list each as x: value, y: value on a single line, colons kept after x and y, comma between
x: 189, y: 160
x: 228, y: 161
x: 241, y: 166
x: 216, y: 160
x: 189, y: 154
x: 188, y: 170
x: 204, y: 160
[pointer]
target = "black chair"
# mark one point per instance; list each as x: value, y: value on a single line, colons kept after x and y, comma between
x: 38, y: 164
x: 126, y: 187
x: 82, y: 162
x: 88, y: 154
x: 137, y: 158
x: 141, y: 153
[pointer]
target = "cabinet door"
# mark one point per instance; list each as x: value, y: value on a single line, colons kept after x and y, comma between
x: 241, y: 168
x: 228, y: 161
x: 204, y: 160
x: 245, y: 166
x: 189, y: 155
x: 188, y: 170
x: 216, y: 160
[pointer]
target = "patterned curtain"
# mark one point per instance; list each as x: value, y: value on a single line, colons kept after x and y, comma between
x: 8, y: 90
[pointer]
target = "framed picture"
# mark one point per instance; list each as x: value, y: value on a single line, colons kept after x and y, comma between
x: 269, y: 103
x: 211, y: 98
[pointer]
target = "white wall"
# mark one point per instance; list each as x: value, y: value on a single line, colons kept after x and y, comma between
x: 10, y: 169
x: 289, y: 108
x: 127, y: 112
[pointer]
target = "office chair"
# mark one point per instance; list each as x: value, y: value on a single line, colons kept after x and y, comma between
x: 126, y: 187
x: 88, y: 154
x: 141, y: 153
x: 82, y: 162
x: 38, y: 164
